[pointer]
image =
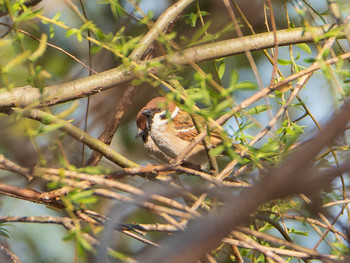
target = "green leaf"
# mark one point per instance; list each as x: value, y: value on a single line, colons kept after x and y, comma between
x: 56, y: 16
x: 299, y: 129
x: 345, y: 73
x: 84, y: 244
x: 118, y: 255
x: 298, y: 232
x: 221, y: 69
x: 199, y: 33
x: 116, y: 8
x: 51, y: 31
x: 150, y: 14
x: 223, y: 105
x: 234, y: 77
x: 84, y: 197
x: 79, y: 37
x: 304, y: 47
x: 47, y: 128
x: 284, y: 61
x: 246, y: 85
x: 93, y: 170
x: 46, y: 119
x: 310, y: 60
x: 70, y: 236
x: 269, y: 147
x: 137, y: 82
x: 217, y: 150
x: 28, y: 14
x: 191, y: 19
x: 290, y: 133
x: 325, y: 53
x: 334, y: 32
x: 4, y: 232
x: 52, y: 185
x: 258, y: 109
x: 71, y: 32
x: 341, y: 250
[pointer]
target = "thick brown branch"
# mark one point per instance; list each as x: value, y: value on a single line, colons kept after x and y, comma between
x: 30, y: 195
x: 24, y: 96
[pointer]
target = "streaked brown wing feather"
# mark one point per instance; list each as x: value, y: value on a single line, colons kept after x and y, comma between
x: 183, y: 121
x: 215, y: 138
x: 185, y: 129
x: 188, y: 135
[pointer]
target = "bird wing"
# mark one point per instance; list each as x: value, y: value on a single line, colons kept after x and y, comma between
x: 186, y: 130
x: 184, y: 126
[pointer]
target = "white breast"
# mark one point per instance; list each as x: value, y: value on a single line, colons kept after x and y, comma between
x: 164, y: 135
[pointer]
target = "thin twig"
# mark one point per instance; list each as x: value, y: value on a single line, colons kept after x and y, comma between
x: 8, y: 165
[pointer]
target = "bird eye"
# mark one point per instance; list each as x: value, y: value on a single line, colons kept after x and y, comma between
x: 163, y: 115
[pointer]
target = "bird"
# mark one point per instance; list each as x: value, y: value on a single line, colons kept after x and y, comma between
x: 167, y: 130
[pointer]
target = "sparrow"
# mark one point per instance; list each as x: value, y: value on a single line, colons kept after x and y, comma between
x: 166, y: 131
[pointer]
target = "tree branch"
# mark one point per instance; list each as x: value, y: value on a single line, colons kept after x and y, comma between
x: 76, y: 89
x: 6, y: 255
x: 30, y: 195
x: 8, y: 165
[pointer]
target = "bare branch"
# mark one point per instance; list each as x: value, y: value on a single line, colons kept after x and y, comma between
x: 30, y: 195
x: 6, y: 255
x: 8, y: 165
x: 101, y: 181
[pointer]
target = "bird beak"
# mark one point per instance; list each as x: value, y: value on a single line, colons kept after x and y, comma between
x: 139, y: 133
x: 148, y: 113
